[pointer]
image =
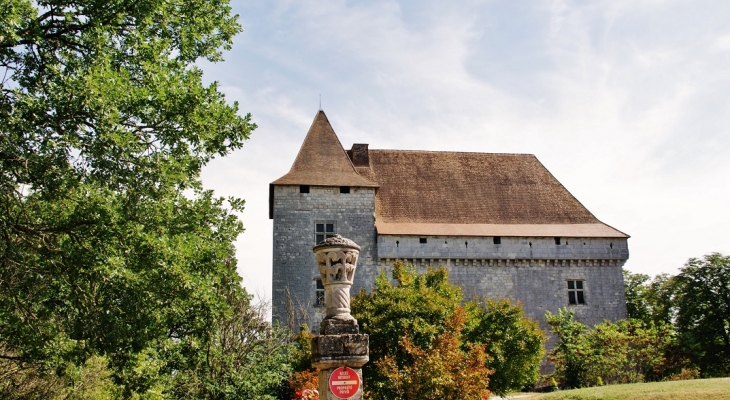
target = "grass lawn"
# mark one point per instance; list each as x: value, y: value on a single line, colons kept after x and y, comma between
x: 698, y: 389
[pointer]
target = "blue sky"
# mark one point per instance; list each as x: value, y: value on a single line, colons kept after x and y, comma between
x: 627, y: 103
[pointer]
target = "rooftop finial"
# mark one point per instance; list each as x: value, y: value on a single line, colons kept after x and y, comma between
x: 320, y: 102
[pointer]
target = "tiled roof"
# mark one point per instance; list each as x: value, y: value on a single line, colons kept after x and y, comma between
x: 434, y: 192
x: 322, y: 160
x: 434, y: 188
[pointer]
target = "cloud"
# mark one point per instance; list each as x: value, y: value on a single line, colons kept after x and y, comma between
x: 625, y: 102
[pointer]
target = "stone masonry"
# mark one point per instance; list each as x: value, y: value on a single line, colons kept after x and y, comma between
x: 295, y: 215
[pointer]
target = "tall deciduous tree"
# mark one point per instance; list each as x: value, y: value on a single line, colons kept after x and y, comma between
x: 703, y: 312
x: 108, y: 242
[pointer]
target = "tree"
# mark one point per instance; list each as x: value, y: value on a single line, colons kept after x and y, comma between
x: 571, y: 350
x: 418, y: 306
x: 635, y: 288
x: 703, y: 312
x: 244, y: 357
x: 412, y: 326
x: 650, y: 300
x: 443, y: 370
x: 624, y: 351
x: 110, y: 245
x: 514, y: 343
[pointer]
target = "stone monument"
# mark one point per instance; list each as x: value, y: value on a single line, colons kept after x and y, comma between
x: 340, y: 351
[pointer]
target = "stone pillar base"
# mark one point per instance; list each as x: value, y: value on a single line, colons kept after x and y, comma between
x: 330, y: 352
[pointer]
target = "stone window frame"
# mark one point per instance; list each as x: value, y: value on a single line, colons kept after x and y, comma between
x: 323, y: 233
x: 576, y: 292
x: 318, y: 293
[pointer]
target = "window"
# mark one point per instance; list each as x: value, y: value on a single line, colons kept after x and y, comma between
x: 557, y: 241
x: 323, y: 230
x: 319, y: 294
x: 422, y: 240
x: 344, y: 189
x: 303, y: 188
x: 497, y: 240
x: 575, y: 292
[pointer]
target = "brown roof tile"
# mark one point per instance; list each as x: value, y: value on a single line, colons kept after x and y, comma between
x: 431, y: 193
x: 322, y: 160
x: 469, y: 188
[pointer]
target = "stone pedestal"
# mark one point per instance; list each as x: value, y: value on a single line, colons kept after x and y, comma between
x: 340, y: 343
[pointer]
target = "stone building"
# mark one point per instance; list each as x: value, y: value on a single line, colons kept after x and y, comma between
x: 501, y: 224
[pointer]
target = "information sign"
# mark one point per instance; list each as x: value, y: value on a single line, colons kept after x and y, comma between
x: 344, y: 382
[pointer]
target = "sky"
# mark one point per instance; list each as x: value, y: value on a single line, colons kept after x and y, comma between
x: 626, y: 102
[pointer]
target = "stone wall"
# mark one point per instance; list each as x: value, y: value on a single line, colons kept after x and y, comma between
x: 466, y: 247
x: 294, y: 266
x: 532, y: 270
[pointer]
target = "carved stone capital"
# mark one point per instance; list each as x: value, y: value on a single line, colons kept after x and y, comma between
x: 337, y: 261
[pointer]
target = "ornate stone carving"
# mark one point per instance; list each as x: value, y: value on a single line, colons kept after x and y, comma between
x: 337, y: 261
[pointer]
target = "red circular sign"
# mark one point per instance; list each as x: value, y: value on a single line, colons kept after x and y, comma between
x: 344, y: 382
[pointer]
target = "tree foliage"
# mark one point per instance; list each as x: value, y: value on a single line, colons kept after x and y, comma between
x: 514, y: 343
x: 110, y: 247
x: 409, y: 323
x: 703, y: 312
x: 443, y: 370
x: 622, y: 352
x: 418, y: 306
x: 650, y: 300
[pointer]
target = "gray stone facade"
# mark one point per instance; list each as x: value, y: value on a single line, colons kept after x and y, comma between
x: 295, y: 268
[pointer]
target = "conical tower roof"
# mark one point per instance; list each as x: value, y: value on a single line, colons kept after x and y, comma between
x: 322, y: 161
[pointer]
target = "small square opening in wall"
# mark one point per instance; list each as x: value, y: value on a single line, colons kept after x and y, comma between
x: 319, y: 294
x: 557, y: 241
x: 344, y: 189
x: 303, y: 188
x: 497, y: 240
x: 422, y: 240
x: 576, y: 293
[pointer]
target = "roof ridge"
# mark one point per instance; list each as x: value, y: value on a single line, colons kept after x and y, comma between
x: 455, y: 152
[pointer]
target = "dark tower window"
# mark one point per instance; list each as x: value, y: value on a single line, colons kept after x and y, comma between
x: 303, y: 188
x: 422, y: 240
x: 344, y: 189
x: 575, y: 292
x: 323, y: 230
x: 557, y: 241
x: 497, y: 240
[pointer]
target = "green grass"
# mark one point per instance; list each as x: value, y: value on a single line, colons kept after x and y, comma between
x: 698, y: 389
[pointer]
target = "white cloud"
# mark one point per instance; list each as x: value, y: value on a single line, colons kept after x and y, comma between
x: 621, y: 100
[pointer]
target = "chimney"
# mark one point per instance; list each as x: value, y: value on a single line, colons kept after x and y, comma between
x: 359, y: 155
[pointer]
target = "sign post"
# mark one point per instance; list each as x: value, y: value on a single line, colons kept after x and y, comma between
x: 340, y: 351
